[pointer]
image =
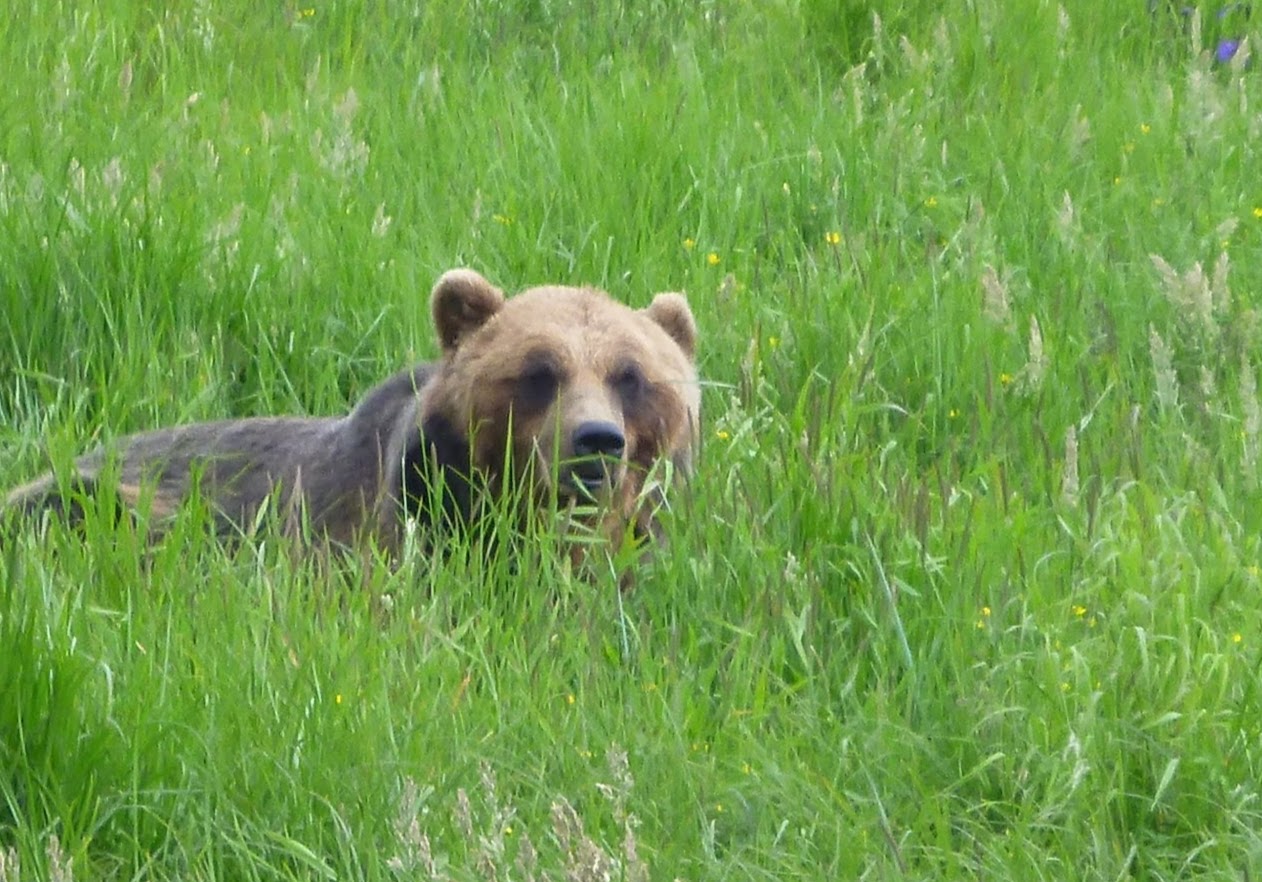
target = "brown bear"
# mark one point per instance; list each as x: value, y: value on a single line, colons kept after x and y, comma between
x: 560, y: 395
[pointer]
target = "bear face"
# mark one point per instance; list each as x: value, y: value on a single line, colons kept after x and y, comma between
x: 577, y: 393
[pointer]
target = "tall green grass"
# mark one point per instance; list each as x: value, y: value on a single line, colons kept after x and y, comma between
x: 967, y: 585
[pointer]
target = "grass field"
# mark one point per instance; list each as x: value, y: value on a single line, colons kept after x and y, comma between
x: 968, y: 585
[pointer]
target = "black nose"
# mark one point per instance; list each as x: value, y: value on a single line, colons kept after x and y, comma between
x: 599, y: 438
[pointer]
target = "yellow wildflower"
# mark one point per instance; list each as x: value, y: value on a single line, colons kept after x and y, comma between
x: 832, y: 237
x: 712, y: 259
x: 690, y: 244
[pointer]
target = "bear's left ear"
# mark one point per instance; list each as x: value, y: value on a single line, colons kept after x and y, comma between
x: 462, y: 302
x: 671, y: 311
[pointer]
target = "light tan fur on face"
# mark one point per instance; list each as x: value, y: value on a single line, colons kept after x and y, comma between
x: 591, y: 344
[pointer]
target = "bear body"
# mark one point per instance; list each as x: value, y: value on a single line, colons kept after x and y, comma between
x: 559, y: 394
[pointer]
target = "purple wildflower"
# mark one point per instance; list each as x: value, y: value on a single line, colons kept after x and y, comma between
x: 1226, y: 50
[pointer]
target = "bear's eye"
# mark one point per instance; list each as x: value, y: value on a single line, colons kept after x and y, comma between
x: 537, y: 384
x: 629, y: 382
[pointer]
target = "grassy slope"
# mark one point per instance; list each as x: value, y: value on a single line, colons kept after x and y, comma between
x: 894, y: 633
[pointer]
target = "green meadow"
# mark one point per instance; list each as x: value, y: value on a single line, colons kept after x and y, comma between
x: 968, y: 584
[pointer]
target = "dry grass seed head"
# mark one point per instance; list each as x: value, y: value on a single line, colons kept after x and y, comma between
x: 995, y: 304
x: 1069, y: 480
x: 464, y: 814
x: 566, y: 823
x: 1030, y: 379
x: 10, y: 866
x: 60, y: 866
x: 1163, y: 368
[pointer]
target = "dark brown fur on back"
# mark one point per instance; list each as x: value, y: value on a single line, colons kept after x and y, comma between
x: 334, y: 472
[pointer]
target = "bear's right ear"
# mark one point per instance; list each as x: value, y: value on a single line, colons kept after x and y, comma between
x: 462, y: 302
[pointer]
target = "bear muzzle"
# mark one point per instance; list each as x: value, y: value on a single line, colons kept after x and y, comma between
x: 597, y: 462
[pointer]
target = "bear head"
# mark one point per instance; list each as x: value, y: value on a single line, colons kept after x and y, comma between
x: 563, y: 388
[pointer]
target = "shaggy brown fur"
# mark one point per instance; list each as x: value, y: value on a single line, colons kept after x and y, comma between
x: 562, y: 387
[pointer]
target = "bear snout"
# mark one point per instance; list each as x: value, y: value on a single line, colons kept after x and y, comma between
x: 598, y: 447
